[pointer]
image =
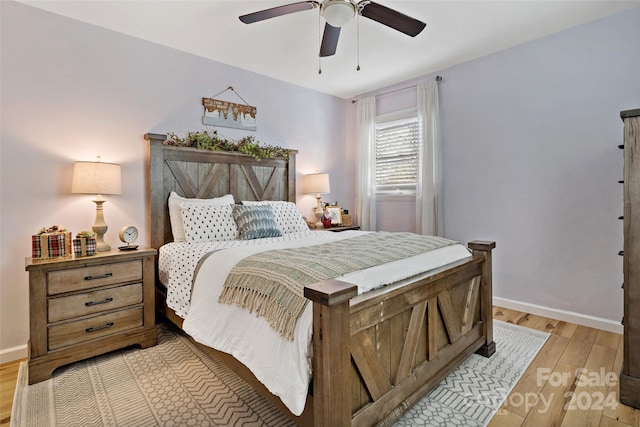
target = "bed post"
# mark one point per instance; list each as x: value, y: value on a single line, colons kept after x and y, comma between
x: 331, y: 352
x: 483, y: 249
x: 156, y: 202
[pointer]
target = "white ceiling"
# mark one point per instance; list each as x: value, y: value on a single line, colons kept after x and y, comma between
x: 287, y: 47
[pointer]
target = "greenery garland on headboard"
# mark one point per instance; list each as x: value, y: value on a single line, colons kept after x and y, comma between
x: 210, y: 140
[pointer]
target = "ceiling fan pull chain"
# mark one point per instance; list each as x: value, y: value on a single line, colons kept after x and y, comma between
x: 319, y: 42
x: 358, y: 41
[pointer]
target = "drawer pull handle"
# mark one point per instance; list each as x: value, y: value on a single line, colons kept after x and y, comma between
x: 102, y: 276
x: 97, y: 328
x: 104, y: 301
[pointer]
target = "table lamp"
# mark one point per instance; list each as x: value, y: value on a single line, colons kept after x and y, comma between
x: 317, y: 183
x: 97, y: 178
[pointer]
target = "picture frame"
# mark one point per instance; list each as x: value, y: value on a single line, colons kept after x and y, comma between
x: 335, y: 212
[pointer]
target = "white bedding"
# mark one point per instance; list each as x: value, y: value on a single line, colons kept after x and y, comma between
x: 283, y: 366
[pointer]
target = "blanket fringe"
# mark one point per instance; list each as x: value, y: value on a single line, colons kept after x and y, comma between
x: 277, y: 315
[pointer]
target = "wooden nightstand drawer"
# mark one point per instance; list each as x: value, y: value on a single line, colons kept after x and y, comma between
x: 95, y: 327
x: 76, y: 279
x: 93, y: 302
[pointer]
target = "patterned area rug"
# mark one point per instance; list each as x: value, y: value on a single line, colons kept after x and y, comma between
x: 473, y: 393
x: 176, y: 384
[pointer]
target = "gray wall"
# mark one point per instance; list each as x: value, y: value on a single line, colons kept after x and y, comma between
x: 530, y: 155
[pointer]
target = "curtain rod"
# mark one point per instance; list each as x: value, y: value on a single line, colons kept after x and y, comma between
x: 438, y: 79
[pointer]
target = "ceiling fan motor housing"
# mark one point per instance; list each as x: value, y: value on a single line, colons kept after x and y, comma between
x: 338, y: 12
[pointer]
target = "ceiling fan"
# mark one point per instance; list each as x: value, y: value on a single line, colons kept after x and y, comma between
x: 338, y: 13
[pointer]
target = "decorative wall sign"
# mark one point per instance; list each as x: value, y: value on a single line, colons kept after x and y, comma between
x: 229, y: 114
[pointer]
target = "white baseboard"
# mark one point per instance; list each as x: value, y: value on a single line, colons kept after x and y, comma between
x: 13, y: 353
x: 567, y: 316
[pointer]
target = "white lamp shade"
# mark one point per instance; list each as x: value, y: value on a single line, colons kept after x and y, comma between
x: 316, y: 183
x: 338, y: 12
x: 96, y: 178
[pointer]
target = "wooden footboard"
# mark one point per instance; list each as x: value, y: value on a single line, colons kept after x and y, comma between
x: 377, y: 354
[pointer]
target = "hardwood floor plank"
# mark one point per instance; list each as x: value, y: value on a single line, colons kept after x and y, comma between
x: 527, y: 320
x: 546, y: 324
x: 8, y: 378
x: 565, y: 329
x: 590, y: 396
x: 504, y: 418
x: 609, y: 340
x: 507, y: 315
x: 622, y: 413
x: 550, y: 407
x: 608, y: 422
x: 530, y: 384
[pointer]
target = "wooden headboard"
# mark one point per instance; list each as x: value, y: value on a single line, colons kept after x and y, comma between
x: 205, y: 174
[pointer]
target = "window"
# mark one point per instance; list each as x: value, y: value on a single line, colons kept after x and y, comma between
x: 397, y: 153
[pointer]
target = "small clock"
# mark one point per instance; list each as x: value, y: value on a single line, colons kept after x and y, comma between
x: 128, y: 234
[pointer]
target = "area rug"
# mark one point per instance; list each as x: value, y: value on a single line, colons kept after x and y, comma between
x: 175, y: 384
x: 472, y: 394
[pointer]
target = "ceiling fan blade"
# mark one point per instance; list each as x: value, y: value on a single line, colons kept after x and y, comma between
x: 329, y: 40
x: 278, y: 11
x: 393, y: 19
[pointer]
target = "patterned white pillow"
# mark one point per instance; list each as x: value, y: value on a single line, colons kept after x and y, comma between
x: 207, y: 223
x: 177, y: 229
x: 287, y: 215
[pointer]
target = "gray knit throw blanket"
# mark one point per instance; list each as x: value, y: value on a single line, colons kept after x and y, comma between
x: 271, y: 283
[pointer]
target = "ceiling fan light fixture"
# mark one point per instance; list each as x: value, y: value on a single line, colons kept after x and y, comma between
x: 337, y: 12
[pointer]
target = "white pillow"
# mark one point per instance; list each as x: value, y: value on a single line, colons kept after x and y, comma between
x: 287, y: 215
x: 207, y: 223
x: 177, y: 229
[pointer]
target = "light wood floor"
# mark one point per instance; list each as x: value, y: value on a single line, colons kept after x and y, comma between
x: 572, y: 382
x: 8, y: 377
x: 574, y: 361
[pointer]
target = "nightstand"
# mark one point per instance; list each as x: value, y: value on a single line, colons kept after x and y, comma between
x: 83, y: 307
x: 338, y: 228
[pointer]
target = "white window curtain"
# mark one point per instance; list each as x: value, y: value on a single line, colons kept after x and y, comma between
x: 428, y: 198
x: 365, y: 157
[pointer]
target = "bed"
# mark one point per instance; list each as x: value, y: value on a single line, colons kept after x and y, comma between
x: 376, y: 353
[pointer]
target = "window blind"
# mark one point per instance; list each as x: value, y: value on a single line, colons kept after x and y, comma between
x: 397, y: 147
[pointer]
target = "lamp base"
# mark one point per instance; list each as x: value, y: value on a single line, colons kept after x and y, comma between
x: 318, y: 223
x: 318, y: 212
x: 100, y: 227
x: 101, y: 245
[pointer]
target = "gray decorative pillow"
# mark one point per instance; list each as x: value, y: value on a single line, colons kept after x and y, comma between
x: 255, y: 222
x: 287, y: 215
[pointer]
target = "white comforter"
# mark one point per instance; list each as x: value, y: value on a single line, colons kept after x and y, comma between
x: 283, y: 366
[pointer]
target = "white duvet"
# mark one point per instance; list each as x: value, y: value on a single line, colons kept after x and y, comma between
x: 283, y: 366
